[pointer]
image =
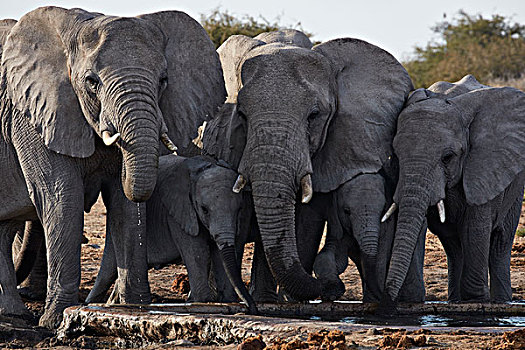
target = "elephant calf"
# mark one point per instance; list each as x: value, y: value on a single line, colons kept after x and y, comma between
x: 191, y: 203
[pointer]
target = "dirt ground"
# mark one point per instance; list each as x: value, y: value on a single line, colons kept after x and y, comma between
x: 435, y: 279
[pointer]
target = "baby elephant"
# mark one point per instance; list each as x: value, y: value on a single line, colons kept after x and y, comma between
x: 193, y: 214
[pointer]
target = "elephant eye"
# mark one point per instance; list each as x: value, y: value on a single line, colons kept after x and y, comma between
x: 314, y: 113
x: 163, y: 82
x: 92, y: 83
x: 447, y: 157
x: 204, y: 210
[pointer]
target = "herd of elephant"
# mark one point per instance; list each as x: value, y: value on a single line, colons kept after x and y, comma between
x: 291, y: 139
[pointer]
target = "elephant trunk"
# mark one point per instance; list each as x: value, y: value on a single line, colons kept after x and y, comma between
x: 233, y: 271
x: 370, y: 275
x: 140, y: 150
x: 275, y: 160
x: 414, y: 195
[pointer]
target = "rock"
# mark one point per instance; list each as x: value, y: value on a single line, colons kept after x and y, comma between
x: 252, y: 343
x: 373, y: 331
x: 181, y: 284
x: 513, y: 340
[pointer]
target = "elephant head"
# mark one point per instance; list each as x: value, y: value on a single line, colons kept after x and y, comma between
x: 302, y: 110
x: 463, y: 134
x: 79, y: 76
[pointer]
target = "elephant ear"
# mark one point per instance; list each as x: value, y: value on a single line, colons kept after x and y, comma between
x: 286, y: 36
x: 225, y: 136
x: 232, y: 54
x: 372, y: 87
x: 496, y: 153
x: 195, y: 87
x: 35, y: 68
x: 173, y: 191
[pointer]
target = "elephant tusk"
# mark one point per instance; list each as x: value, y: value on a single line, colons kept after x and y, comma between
x: 168, y: 143
x: 389, y: 212
x: 441, y: 210
x: 306, y: 186
x: 239, y: 184
x: 108, y: 139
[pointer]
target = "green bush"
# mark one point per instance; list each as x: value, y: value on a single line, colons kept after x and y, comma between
x: 220, y: 25
x: 520, y: 232
x: 493, y: 50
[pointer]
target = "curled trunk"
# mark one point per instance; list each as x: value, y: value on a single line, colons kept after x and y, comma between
x: 277, y: 222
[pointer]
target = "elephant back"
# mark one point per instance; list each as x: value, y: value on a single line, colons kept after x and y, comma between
x: 286, y: 36
x: 466, y: 84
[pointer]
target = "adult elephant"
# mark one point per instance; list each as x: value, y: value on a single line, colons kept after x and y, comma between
x: 462, y: 155
x: 73, y: 83
x: 300, y: 109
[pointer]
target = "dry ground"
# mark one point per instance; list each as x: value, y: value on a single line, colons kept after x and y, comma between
x: 435, y: 278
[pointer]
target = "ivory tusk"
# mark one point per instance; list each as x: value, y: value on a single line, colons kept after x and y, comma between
x: 389, y: 212
x: 239, y: 184
x: 441, y: 210
x: 108, y: 138
x: 168, y: 143
x: 306, y: 186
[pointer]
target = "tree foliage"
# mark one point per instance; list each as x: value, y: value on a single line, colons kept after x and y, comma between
x: 493, y: 50
x: 220, y: 25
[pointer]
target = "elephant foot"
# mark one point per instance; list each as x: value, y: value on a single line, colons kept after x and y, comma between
x: 31, y: 294
x: 13, y: 306
x: 51, y: 319
x: 332, y: 289
x: 265, y: 297
x: 387, y: 308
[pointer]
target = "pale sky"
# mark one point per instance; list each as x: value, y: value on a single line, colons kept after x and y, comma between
x: 393, y: 25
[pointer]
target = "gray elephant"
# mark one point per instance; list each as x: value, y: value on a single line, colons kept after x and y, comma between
x: 354, y: 212
x: 83, y: 111
x: 313, y: 118
x: 461, y: 152
x: 191, y: 207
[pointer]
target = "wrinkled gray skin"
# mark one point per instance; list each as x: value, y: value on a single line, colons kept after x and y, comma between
x: 355, y: 230
x: 68, y: 76
x: 463, y: 144
x: 194, y: 215
x: 297, y: 107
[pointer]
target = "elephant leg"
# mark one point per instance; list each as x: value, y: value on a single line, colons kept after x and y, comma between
x: 126, y: 225
x: 262, y: 284
x: 309, y: 231
x: 452, y: 246
x: 107, y: 274
x: 10, y: 301
x: 413, y: 289
x: 329, y: 264
x: 475, y: 242
x: 225, y: 291
x: 31, y: 263
x: 196, y: 255
x: 500, y: 254
x: 63, y: 222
